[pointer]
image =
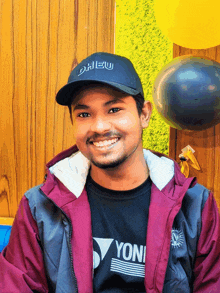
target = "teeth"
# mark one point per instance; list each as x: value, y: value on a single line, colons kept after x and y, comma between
x: 105, y: 142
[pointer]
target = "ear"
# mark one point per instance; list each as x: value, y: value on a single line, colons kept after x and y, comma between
x: 146, y: 114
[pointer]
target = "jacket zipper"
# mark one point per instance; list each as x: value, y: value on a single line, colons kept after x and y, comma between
x: 155, y: 273
x: 69, y: 239
x: 71, y: 253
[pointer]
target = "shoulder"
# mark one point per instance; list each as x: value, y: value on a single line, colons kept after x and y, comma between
x: 35, y: 195
x: 40, y: 205
x: 33, y: 191
x: 196, y: 196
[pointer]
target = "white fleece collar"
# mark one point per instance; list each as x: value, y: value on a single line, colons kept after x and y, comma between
x: 72, y: 171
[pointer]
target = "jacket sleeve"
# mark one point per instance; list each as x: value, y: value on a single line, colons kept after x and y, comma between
x: 207, y: 265
x: 21, y: 261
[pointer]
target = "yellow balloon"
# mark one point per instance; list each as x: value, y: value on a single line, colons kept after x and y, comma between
x: 192, y: 24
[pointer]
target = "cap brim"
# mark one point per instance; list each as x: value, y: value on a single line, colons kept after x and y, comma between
x: 66, y: 93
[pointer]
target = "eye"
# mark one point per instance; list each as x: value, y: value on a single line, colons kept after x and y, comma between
x: 83, y: 115
x: 114, y: 110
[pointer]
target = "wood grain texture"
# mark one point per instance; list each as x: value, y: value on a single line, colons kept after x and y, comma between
x: 206, y: 143
x: 40, y: 43
x: 6, y: 221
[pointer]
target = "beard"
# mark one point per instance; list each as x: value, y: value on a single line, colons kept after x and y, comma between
x: 110, y: 165
x: 114, y: 163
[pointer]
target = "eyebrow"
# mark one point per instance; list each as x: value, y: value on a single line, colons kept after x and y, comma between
x: 111, y: 102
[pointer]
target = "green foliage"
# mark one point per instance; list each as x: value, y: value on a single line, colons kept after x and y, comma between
x: 139, y: 39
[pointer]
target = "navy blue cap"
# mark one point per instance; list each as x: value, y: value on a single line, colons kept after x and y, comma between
x: 104, y: 68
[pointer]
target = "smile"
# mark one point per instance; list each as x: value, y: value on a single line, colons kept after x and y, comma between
x: 105, y: 143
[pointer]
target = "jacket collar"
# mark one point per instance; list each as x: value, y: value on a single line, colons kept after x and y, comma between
x: 73, y: 169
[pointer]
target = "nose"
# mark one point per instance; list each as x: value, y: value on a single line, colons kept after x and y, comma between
x: 100, y: 125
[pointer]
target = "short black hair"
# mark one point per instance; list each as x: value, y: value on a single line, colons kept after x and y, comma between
x: 139, y: 99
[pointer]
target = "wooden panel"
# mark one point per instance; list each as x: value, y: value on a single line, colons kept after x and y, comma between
x: 206, y: 143
x: 40, y: 42
x: 6, y: 221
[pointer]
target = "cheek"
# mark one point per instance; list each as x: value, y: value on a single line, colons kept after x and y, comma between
x: 128, y: 122
x: 78, y: 132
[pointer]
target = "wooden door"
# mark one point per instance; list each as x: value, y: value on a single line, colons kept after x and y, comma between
x: 40, y: 42
x: 206, y: 143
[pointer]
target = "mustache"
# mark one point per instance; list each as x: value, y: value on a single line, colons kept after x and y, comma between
x: 107, y: 135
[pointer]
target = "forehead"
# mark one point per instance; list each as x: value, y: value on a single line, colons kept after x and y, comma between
x: 102, y: 92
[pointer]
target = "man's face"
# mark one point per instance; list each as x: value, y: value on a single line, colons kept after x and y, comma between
x: 107, y: 127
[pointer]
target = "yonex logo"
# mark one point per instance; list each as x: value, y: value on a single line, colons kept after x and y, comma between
x: 104, y: 244
x: 96, y: 65
x: 129, y: 258
x: 177, y: 238
x: 131, y: 252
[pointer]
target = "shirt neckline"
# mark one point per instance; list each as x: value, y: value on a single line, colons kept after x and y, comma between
x: 118, y: 194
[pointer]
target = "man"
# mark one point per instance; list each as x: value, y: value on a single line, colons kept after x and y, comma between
x: 112, y: 217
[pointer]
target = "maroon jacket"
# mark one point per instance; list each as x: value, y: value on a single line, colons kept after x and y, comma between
x: 39, y: 259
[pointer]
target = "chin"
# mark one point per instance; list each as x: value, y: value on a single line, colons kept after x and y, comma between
x: 109, y: 165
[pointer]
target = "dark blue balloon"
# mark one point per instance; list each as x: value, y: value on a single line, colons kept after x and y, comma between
x: 187, y: 93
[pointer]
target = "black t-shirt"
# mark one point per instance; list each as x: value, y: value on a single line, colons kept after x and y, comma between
x: 119, y: 228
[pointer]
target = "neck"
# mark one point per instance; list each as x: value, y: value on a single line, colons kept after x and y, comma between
x: 128, y: 175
